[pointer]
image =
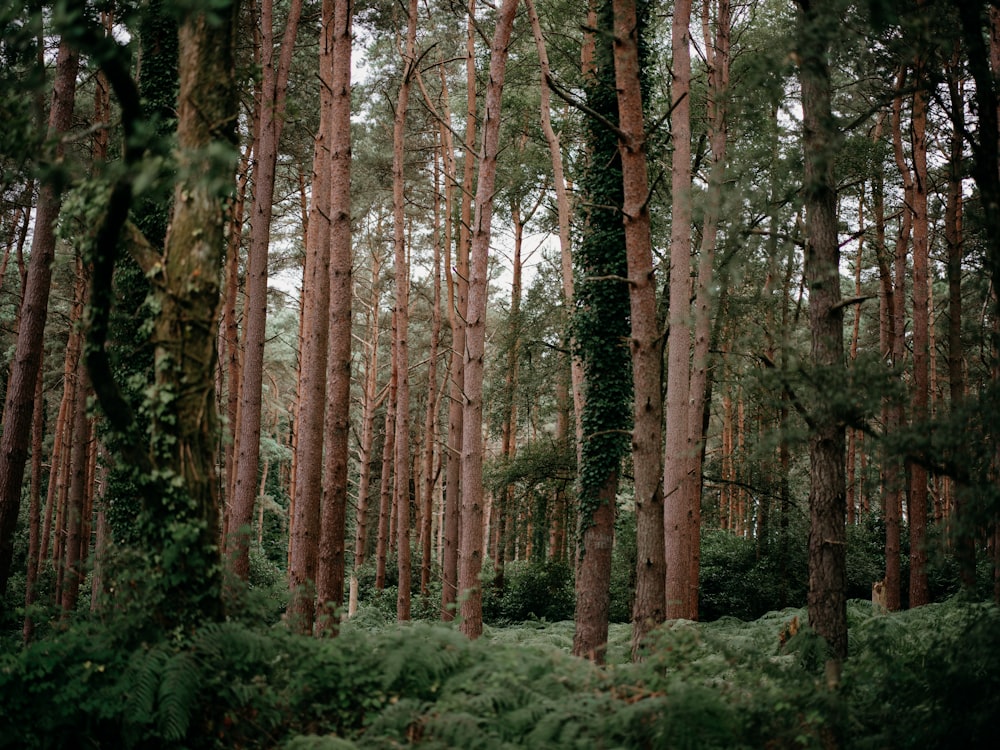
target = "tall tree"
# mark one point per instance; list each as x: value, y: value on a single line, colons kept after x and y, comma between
x: 19, y: 403
x: 457, y: 317
x: 827, y: 598
x: 647, y: 357
x: 315, y: 323
x: 270, y: 123
x: 330, y: 577
x: 470, y: 557
x: 601, y: 333
x: 681, y: 542
x: 402, y: 318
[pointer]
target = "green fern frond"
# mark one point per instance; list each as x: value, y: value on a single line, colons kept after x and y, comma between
x: 178, y: 694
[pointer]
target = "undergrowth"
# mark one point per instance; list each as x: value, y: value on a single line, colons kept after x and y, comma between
x: 926, y: 678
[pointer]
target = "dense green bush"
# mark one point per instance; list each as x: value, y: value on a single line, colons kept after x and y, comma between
x: 929, y: 678
x: 538, y: 590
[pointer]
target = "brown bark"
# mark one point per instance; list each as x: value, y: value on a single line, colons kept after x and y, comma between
x: 76, y: 497
x: 270, y: 122
x: 402, y: 321
x: 827, y: 597
x: 430, y: 417
x: 19, y: 403
x: 471, y: 544
x: 593, y: 602
x: 678, y: 516
x: 457, y: 316
x: 919, y: 592
x: 964, y: 535
x: 34, y: 507
x: 333, y: 514
x: 717, y: 56
x: 649, y: 608
x: 305, y: 511
x: 385, y: 486
x: 370, y: 402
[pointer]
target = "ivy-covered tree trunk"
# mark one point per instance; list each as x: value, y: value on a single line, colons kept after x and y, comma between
x: 185, y: 423
x: 19, y: 403
x: 470, y: 557
x: 827, y: 597
x: 601, y: 333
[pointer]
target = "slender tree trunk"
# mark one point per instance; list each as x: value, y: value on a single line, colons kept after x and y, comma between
x: 471, y: 544
x: 370, y: 403
x: 678, y: 515
x: 827, y: 598
x: 19, y: 404
x: 34, y: 508
x: 458, y: 315
x: 305, y: 516
x: 563, y: 211
x: 963, y: 533
x: 385, y: 485
x: 330, y: 576
x: 430, y: 418
x: 919, y: 592
x: 649, y: 608
x: 402, y: 320
x: 270, y: 124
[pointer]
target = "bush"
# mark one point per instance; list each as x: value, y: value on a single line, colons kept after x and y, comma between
x: 539, y: 590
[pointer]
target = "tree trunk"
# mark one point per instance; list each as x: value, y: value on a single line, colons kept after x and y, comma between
x: 602, y: 333
x: 19, y: 404
x: 458, y: 315
x: 919, y: 592
x: 306, y: 498
x: 430, y: 418
x: 270, y: 123
x: 679, y: 516
x: 330, y: 576
x: 471, y: 544
x: 827, y: 597
x: 649, y: 608
x: 385, y: 485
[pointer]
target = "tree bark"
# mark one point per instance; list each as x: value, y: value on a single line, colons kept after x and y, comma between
x: 333, y: 515
x: 458, y: 315
x: 20, y: 398
x: 270, y: 124
x: 312, y: 402
x: 649, y: 608
x: 679, y: 515
x: 471, y: 544
x: 919, y: 591
x: 827, y: 597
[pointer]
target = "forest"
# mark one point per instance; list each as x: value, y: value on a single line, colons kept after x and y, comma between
x: 517, y: 374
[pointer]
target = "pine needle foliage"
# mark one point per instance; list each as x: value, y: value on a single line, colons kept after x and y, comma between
x: 928, y: 678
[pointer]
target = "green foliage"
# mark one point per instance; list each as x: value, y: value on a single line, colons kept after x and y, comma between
x: 540, y: 590
x: 926, y: 678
